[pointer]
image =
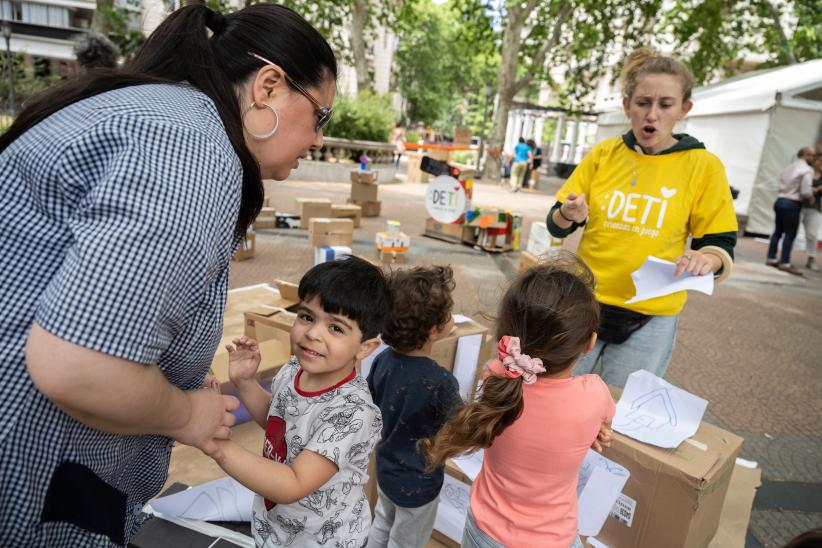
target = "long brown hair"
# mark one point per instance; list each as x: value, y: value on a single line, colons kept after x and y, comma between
x: 552, y: 309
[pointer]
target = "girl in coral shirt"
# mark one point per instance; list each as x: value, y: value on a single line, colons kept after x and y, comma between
x: 535, y: 421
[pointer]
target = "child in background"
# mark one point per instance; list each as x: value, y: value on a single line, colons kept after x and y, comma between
x: 416, y: 397
x: 320, y: 422
x: 535, y: 420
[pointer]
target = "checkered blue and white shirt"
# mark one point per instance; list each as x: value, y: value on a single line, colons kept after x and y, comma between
x: 117, y: 216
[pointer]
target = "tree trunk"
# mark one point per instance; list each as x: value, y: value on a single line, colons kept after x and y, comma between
x: 359, y: 15
x: 506, y: 90
x: 786, y: 53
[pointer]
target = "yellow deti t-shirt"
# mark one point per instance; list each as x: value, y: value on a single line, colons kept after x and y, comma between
x: 642, y: 205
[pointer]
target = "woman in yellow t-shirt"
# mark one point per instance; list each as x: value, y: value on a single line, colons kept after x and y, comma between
x: 644, y: 194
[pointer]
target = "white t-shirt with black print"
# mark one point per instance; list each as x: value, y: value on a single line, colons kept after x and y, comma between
x: 340, y: 423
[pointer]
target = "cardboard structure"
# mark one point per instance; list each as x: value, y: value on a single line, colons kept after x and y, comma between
x: 330, y: 232
x: 247, y: 247
x: 347, y: 211
x: 312, y: 207
x: 368, y: 208
x: 493, y: 230
x: 274, y: 351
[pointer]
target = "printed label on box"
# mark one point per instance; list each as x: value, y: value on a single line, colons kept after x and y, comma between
x: 623, y: 510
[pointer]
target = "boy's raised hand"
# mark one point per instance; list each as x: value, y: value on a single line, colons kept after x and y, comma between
x: 243, y: 359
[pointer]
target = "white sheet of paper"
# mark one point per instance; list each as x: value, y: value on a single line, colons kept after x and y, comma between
x: 459, y: 318
x: 600, y: 482
x: 452, y: 511
x: 470, y: 464
x: 595, y: 543
x: 654, y: 411
x: 210, y: 529
x: 465, y: 362
x: 223, y: 499
x: 655, y: 278
x: 365, y: 366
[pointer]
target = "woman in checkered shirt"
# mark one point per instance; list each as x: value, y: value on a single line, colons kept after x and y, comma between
x: 124, y: 196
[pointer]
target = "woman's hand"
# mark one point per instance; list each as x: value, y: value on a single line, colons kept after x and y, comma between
x: 243, y: 359
x: 209, y: 419
x: 574, y: 208
x: 697, y: 264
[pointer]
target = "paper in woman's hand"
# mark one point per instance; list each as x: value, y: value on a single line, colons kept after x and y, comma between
x: 655, y: 278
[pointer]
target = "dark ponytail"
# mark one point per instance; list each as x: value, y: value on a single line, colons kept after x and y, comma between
x: 180, y: 50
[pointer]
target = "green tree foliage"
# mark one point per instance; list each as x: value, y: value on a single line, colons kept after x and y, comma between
x: 366, y: 117
x: 723, y: 33
x: 440, y: 71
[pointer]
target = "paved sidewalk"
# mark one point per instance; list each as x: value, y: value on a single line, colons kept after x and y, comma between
x: 752, y: 349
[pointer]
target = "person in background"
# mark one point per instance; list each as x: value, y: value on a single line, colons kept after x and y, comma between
x: 812, y: 213
x: 640, y: 195
x: 416, y: 396
x: 134, y: 188
x: 534, y: 419
x: 519, y: 168
x: 536, y: 162
x: 795, y: 183
x: 397, y: 138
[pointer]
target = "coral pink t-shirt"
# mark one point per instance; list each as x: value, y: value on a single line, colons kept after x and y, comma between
x: 525, y: 494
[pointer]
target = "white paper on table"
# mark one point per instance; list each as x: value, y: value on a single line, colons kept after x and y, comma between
x: 470, y: 464
x: 655, y: 278
x: 600, y: 482
x: 465, y: 362
x: 654, y: 411
x: 222, y: 499
x: 206, y: 528
x: 595, y: 543
x: 365, y: 366
x: 452, y: 511
x: 459, y: 318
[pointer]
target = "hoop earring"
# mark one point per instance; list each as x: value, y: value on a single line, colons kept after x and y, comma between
x: 262, y: 136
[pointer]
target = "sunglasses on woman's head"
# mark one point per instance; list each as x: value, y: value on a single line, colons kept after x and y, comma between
x: 324, y: 114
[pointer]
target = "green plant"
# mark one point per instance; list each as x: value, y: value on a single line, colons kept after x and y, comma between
x: 412, y: 137
x: 367, y: 117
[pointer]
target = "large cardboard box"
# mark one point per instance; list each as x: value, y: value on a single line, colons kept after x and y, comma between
x: 674, y: 497
x: 364, y: 192
x: 445, y: 350
x: 415, y: 174
x: 312, y: 207
x: 269, y: 317
x: 330, y: 232
x: 347, y: 211
x: 369, y: 209
x: 449, y: 232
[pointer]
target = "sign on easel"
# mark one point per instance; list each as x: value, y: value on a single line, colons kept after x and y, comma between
x: 445, y: 199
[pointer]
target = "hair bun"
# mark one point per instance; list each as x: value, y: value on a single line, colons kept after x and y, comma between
x: 215, y: 21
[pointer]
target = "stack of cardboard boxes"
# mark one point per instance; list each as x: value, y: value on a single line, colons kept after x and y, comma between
x: 331, y: 238
x: 347, y: 211
x: 493, y: 230
x: 364, y: 192
x: 392, y: 243
x: 310, y: 208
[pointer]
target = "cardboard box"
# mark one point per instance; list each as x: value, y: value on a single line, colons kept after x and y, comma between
x: 367, y: 176
x: 312, y: 207
x: 364, y: 192
x: 330, y: 232
x: 369, y: 208
x: 444, y: 350
x: 265, y: 222
x: 330, y: 253
x: 247, y: 247
x: 462, y: 136
x: 347, y: 211
x: 448, y: 232
x: 267, y: 213
x: 415, y: 174
x: 261, y: 319
x: 393, y: 257
x: 526, y: 261
x: 385, y: 241
x: 674, y: 497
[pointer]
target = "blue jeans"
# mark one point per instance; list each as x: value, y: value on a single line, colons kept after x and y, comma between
x: 787, y: 223
x: 474, y: 537
x: 649, y: 348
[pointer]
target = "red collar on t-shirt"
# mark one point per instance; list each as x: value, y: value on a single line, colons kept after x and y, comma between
x: 324, y: 390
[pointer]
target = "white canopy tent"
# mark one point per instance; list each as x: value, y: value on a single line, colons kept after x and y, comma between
x: 755, y: 123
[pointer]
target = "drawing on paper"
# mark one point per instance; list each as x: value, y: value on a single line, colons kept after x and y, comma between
x: 456, y: 497
x: 653, y: 410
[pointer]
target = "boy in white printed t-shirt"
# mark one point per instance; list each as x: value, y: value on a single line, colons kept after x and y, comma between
x: 320, y: 422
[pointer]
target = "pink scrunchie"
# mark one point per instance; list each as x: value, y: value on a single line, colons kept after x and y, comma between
x: 512, y: 363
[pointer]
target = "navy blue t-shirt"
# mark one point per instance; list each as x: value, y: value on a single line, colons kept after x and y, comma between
x: 416, y: 397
